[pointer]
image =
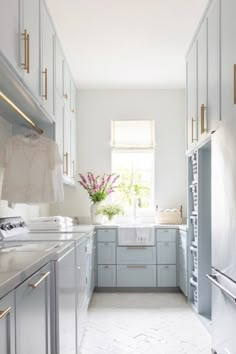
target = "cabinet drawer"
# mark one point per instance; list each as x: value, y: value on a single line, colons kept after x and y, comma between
x: 136, y: 276
x: 136, y: 255
x: 166, y: 235
x: 166, y: 276
x: 166, y: 253
x: 106, y: 276
x: 106, y: 253
x: 106, y: 235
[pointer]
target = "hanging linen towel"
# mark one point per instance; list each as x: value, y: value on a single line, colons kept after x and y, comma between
x: 33, y: 170
x: 143, y: 234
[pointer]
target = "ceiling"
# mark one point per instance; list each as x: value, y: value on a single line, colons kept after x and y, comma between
x: 126, y: 44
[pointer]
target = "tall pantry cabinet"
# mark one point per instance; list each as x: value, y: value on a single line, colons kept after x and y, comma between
x: 203, y: 68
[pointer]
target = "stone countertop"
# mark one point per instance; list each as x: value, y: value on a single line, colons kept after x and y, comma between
x: 157, y: 226
x: 16, y: 267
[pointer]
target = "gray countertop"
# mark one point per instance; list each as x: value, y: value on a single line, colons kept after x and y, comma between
x: 15, y: 267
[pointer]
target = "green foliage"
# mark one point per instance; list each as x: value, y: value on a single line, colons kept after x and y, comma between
x: 110, y: 210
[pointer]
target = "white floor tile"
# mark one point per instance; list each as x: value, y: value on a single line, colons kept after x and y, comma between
x: 143, y: 323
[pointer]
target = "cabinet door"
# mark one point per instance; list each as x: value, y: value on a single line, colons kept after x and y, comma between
x: 81, y: 272
x: 192, y: 96
x: 202, y: 80
x: 73, y: 147
x: 7, y: 324
x: 9, y: 32
x: 67, y: 145
x: 166, y: 276
x: 72, y: 97
x: 106, y: 253
x: 33, y: 314
x: 66, y: 85
x: 47, y: 67
x: 166, y: 253
x: 228, y: 60
x: 59, y: 126
x: 30, y: 24
x: 66, y: 303
x: 59, y: 65
x: 106, y: 276
x: 213, y: 106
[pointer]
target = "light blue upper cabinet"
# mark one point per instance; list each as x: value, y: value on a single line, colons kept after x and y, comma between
x: 10, y: 36
x: 66, y: 85
x: 191, y: 89
x: 7, y: 324
x: 202, y: 81
x: 228, y: 60
x: 47, y: 60
x: 213, y: 64
x: 29, y: 48
x: 59, y: 68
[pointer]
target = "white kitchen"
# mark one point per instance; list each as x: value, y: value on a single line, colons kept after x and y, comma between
x: 117, y: 177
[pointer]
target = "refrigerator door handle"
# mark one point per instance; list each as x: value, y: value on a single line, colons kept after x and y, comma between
x: 213, y: 279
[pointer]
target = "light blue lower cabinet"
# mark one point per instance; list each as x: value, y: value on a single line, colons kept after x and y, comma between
x: 136, y: 275
x: 82, y: 312
x: 166, y: 276
x: 106, y: 253
x: 106, y: 276
x: 136, y: 255
x: 33, y: 318
x: 7, y: 324
x: 166, y: 253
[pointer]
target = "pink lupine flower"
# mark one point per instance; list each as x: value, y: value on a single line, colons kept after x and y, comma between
x: 98, y: 187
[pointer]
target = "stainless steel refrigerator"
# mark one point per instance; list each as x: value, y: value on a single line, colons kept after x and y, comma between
x: 223, y: 276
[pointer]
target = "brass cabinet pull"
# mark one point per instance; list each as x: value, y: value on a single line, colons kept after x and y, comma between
x: 44, y: 276
x: 28, y: 53
x: 136, y: 266
x: 4, y: 313
x: 203, y: 129
x: 193, y: 120
x: 24, y: 37
x: 234, y: 83
x: 45, y: 72
x: 136, y: 248
x: 66, y: 155
x: 73, y: 169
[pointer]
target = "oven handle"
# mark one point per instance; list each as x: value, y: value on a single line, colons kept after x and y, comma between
x: 213, y: 279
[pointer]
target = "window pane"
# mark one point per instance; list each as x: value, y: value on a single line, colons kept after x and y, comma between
x: 136, y: 170
x: 133, y: 134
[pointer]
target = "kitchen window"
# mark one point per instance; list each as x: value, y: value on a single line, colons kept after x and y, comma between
x: 133, y: 160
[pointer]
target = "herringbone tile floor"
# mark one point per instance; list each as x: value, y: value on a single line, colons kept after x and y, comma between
x: 143, y: 323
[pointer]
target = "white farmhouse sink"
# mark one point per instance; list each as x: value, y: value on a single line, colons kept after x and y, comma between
x: 136, y: 235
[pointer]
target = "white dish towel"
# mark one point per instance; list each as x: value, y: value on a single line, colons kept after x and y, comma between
x: 143, y: 234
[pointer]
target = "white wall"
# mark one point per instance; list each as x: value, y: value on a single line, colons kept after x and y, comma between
x: 96, y: 109
x: 23, y: 210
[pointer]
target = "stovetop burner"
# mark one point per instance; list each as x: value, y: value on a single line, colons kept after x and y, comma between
x: 12, y: 226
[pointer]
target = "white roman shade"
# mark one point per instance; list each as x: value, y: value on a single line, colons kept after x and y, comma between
x: 132, y: 134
